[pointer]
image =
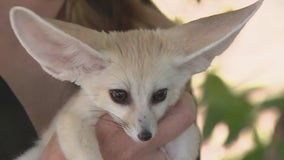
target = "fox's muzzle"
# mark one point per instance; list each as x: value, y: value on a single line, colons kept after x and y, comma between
x: 144, y: 135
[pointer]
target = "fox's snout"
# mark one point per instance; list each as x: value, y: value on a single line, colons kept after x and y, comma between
x: 141, y: 126
x: 144, y: 135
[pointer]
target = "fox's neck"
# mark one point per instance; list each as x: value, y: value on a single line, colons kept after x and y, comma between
x: 80, y: 104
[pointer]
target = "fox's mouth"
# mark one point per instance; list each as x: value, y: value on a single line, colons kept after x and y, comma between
x: 119, y: 121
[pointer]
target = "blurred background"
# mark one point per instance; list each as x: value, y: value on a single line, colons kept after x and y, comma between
x: 241, y: 97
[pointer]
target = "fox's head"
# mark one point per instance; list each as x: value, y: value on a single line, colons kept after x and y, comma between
x: 136, y: 75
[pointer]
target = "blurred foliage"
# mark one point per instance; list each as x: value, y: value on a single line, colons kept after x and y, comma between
x: 258, y: 153
x: 277, y: 102
x: 225, y: 106
x: 237, y: 112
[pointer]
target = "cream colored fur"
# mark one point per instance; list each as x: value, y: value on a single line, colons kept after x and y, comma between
x: 139, y: 62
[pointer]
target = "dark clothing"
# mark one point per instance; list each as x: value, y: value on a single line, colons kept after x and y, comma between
x: 16, y: 130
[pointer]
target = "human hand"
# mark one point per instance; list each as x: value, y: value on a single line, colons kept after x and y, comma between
x: 115, y: 144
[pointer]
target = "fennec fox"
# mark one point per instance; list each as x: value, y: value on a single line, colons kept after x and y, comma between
x: 134, y: 76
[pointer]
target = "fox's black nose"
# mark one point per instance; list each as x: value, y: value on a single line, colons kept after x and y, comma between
x: 145, y: 135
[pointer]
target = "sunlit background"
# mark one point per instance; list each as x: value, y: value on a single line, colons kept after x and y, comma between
x: 253, y: 66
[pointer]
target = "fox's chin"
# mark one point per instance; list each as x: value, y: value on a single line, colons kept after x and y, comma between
x: 132, y: 134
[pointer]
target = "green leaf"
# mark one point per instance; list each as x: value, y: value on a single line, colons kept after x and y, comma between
x: 255, y: 154
x: 280, y: 149
x: 277, y: 102
x: 225, y: 106
x: 258, y: 152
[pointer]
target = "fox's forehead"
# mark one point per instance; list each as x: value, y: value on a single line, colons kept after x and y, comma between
x: 138, y: 46
x: 139, y: 58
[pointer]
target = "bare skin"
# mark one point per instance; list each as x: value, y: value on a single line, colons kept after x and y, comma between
x: 42, y: 96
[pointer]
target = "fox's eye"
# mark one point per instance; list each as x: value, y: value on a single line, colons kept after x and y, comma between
x: 159, y: 95
x: 119, y: 96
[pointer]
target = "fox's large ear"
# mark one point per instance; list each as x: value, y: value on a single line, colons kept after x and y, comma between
x: 203, y: 39
x: 59, y: 54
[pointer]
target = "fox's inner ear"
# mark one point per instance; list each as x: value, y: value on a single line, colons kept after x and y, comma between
x: 59, y: 54
x: 203, y: 39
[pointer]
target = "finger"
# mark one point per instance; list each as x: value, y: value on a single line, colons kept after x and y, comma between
x: 108, y: 130
x: 113, y: 141
x: 177, y: 120
x: 156, y: 154
x: 52, y: 151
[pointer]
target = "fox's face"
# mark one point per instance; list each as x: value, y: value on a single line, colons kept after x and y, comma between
x: 140, y: 82
x: 136, y: 75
